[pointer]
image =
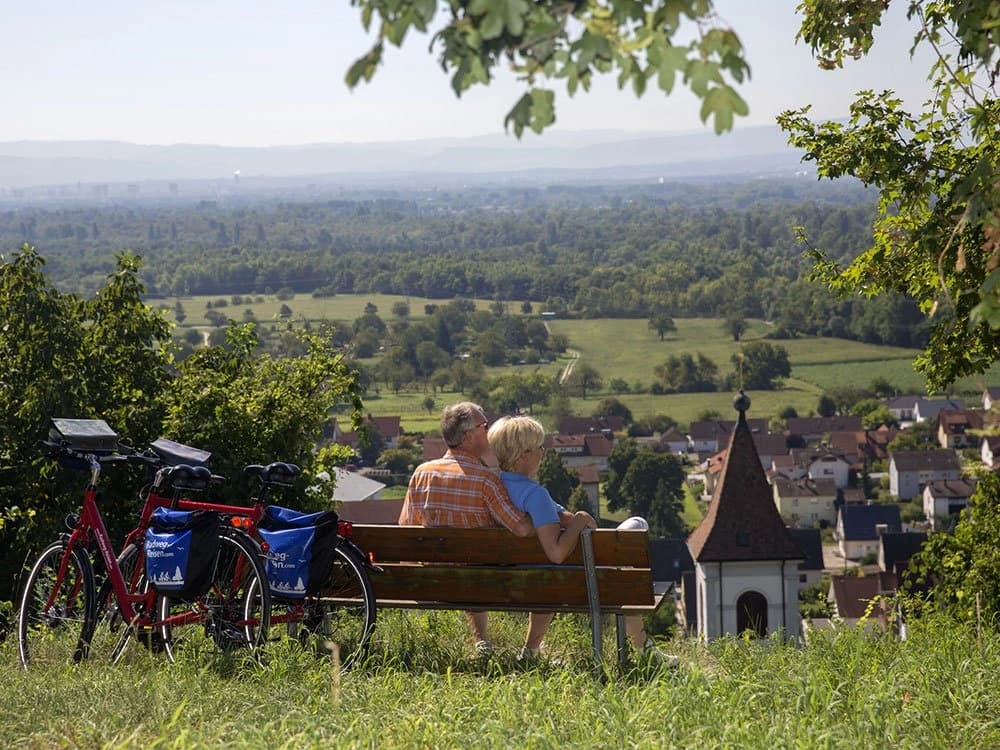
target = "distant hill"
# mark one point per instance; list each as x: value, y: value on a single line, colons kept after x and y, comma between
x: 557, y: 156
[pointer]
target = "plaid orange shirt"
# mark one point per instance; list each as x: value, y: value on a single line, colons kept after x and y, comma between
x: 457, y: 490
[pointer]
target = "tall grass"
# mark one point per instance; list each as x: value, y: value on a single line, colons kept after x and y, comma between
x: 422, y: 688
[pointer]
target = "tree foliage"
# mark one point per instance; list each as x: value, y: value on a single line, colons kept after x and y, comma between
x: 662, y: 324
x: 684, y: 374
x: 107, y: 357
x: 556, y: 478
x: 248, y: 408
x: 653, y: 487
x: 642, y: 42
x: 936, y: 236
x: 963, y: 568
x: 623, y: 452
x: 584, y: 377
x: 760, y: 366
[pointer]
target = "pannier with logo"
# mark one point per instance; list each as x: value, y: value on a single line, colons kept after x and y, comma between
x: 182, y: 548
x: 300, y: 550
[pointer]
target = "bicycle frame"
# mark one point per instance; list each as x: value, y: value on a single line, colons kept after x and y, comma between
x: 90, y: 525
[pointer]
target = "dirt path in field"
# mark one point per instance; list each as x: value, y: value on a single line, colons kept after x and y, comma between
x: 568, y: 369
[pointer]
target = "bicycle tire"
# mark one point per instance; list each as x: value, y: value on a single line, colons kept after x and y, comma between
x: 56, y: 616
x: 235, y: 613
x: 111, y: 634
x: 344, y: 612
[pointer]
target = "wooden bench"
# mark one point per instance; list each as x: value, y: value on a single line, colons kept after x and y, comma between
x: 491, y: 569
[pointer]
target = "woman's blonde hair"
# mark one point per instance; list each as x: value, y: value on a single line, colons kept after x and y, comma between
x: 512, y: 437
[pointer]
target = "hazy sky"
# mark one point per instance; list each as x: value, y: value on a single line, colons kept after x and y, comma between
x: 234, y: 72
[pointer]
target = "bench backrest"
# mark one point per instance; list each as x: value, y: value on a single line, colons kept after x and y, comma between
x: 492, y: 566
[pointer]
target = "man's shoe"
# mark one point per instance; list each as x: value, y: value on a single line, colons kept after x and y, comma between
x: 484, y: 648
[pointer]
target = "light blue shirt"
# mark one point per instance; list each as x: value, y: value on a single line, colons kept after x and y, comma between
x: 530, y: 497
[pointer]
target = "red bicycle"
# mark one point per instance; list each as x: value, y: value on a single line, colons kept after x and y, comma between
x: 342, y: 611
x: 59, y: 605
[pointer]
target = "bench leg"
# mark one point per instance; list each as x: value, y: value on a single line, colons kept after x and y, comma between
x: 622, y: 642
x: 592, y: 595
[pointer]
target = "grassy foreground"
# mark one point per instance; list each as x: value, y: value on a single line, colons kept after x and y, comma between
x: 422, y: 689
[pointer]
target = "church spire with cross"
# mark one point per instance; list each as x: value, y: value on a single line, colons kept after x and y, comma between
x: 742, y: 522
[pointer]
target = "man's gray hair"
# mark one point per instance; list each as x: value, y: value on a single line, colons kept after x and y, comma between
x: 458, y: 419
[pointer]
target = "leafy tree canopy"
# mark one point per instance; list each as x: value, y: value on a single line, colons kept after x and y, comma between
x: 661, y: 41
x: 936, y: 236
x: 964, y: 567
x: 556, y: 478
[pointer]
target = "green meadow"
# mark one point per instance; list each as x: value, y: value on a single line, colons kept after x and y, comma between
x: 627, y: 349
x: 345, y: 307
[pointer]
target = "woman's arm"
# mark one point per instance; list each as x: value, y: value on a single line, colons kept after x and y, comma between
x: 558, y: 542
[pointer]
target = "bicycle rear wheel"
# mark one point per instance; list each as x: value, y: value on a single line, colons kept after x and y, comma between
x: 57, y: 611
x: 234, y: 614
x: 344, y: 613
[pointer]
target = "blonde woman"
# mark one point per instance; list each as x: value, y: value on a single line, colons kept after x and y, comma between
x: 519, y: 444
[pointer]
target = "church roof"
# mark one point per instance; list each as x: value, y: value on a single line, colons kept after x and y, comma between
x: 742, y: 522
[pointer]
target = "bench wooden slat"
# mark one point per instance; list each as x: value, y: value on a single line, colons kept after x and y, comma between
x: 492, y: 546
x: 522, y: 587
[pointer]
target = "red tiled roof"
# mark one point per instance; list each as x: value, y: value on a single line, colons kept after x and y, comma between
x: 388, y: 427
x: 853, y: 593
x: 598, y: 445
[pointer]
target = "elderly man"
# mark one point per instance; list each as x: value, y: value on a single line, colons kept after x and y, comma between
x: 460, y: 490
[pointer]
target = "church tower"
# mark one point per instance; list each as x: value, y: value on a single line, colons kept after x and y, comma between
x: 746, y: 562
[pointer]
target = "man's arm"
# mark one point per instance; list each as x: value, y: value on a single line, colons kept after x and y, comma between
x: 502, y: 508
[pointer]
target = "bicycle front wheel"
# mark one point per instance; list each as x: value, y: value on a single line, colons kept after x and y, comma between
x: 57, y: 612
x: 234, y: 614
x: 111, y: 633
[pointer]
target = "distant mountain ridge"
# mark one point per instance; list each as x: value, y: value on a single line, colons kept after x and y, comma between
x: 25, y: 164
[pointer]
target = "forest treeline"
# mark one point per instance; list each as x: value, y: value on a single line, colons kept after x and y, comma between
x: 727, y: 250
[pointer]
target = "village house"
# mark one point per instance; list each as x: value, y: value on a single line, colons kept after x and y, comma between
x: 352, y: 486
x: 674, y: 440
x: 590, y: 481
x: 989, y: 451
x: 708, y: 436
x: 810, y: 542
x: 860, y: 526
x: 902, y: 408
x: 608, y: 425
x: 806, y: 503
x: 389, y: 430
x: 864, y: 448
x: 671, y: 561
x: 990, y: 396
x: 955, y: 428
x: 895, y: 551
x: 821, y: 464
x: 911, y: 471
x: 581, y: 450
x: 859, y: 599
x: 807, y: 430
x: 945, y: 499
x: 928, y: 408
x: 746, y: 561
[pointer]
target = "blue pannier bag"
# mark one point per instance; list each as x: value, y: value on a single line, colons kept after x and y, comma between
x: 182, y: 548
x: 300, y: 550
